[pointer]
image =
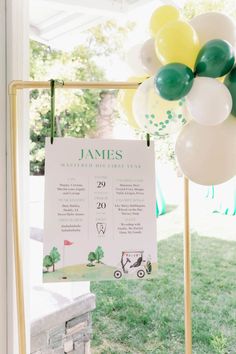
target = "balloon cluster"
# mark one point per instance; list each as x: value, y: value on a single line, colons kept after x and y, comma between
x: 194, y: 81
x: 144, y: 109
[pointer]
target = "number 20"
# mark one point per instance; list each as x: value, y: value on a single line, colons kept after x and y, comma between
x: 101, y: 205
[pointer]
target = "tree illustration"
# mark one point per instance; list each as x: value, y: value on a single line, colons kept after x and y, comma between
x: 47, y: 262
x: 99, y: 253
x: 91, y: 259
x: 55, y: 256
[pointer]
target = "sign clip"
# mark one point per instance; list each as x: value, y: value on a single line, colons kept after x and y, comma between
x: 148, y: 139
x: 53, y: 84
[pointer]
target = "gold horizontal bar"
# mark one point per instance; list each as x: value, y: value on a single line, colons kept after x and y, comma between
x: 20, y: 85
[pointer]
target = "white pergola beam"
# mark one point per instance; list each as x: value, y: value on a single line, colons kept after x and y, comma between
x: 78, y: 28
x: 67, y: 22
x: 36, y: 35
x: 139, y: 4
x: 90, y: 7
x: 69, y: 17
x: 101, y: 7
x: 53, y: 20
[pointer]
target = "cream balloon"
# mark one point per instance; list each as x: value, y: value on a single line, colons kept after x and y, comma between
x: 207, y: 155
x: 155, y: 115
x: 214, y: 25
x: 209, y: 101
x: 133, y: 59
x: 149, y: 58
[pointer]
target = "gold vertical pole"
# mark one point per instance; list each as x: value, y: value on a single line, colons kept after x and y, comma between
x: 187, y: 271
x: 15, y: 222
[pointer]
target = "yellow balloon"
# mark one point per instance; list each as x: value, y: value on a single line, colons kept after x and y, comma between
x: 177, y: 42
x: 125, y: 101
x: 161, y: 16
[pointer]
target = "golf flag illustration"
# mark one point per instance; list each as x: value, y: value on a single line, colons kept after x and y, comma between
x: 68, y: 243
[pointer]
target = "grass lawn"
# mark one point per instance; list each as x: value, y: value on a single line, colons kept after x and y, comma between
x: 147, y: 316
x: 80, y: 272
x: 83, y: 272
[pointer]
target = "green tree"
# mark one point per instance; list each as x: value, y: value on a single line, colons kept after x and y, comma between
x: 47, y: 262
x: 99, y: 253
x: 55, y: 256
x: 91, y: 259
x: 193, y: 8
x: 76, y: 110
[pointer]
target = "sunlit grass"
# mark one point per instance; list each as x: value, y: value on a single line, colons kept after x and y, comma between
x: 147, y: 316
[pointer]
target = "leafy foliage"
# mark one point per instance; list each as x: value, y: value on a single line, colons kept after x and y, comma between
x: 55, y: 255
x: 192, y: 9
x: 91, y: 259
x: 51, y: 259
x: 76, y: 110
x: 99, y: 253
x: 47, y: 262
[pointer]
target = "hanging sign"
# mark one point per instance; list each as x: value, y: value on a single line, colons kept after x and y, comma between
x: 100, y: 202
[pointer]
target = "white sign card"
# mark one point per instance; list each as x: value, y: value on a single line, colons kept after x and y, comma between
x: 100, y: 202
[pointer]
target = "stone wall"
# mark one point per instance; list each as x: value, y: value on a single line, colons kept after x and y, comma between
x: 67, y: 330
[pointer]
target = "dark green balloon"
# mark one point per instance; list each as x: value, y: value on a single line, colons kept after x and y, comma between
x: 174, y: 81
x: 215, y: 59
x: 230, y: 82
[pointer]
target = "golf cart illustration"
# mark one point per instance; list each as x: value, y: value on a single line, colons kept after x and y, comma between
x: 133, y: 262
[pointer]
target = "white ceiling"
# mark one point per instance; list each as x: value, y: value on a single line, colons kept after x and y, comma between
x: 60, y: 23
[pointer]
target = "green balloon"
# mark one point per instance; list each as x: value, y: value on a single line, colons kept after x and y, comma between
x: 215, y: 59
x: 174, y: 81
x: 230, y: 82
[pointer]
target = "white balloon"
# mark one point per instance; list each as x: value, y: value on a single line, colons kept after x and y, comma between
x: 214, y: 25
x: 133, y: 59
x: 155, y: 115
x: 149, y: 58
x: 209, y: 101
x: 207, y: 155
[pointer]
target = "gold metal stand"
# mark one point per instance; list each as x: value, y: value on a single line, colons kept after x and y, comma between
x: 187, y: 272
x: 20, y: 85
x: 15, y: 225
